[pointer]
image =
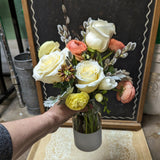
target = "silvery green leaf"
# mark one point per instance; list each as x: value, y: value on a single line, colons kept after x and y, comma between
x: 68, y: 63
x: 124, y: 55
x: 118, y: 76
x: 70, y: 55
x: 66, y: 93
x: 64, y: 9
x: 51, y: 101
x: 108, y: 74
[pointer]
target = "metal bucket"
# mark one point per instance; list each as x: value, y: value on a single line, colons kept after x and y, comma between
x: 153, y: 94
x: 24, y: 69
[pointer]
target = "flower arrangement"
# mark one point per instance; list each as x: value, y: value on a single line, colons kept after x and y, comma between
x: 84, y: 71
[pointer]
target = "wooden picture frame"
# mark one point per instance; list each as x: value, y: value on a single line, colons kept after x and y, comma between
x: 106, y: 123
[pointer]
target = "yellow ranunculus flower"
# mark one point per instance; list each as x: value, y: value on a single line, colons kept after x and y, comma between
x: 89, y: 75
x: 77, y: 101
x: 47, y: 47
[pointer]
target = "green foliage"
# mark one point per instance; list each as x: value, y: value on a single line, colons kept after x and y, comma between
x: 62, y: 86
x: 74, y: 61
x: 111, y: 69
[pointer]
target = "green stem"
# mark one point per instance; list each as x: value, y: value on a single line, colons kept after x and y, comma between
x: 86, y: 130
x: 117, y: 90
x: 107, y: 56
x: 91, y: 122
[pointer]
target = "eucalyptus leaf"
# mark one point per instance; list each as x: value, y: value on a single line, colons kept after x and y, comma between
x: 51, y: 101
x: 66, y: 93
x: 70, y: 56
x: 68, y: 62
x: 118, y: 77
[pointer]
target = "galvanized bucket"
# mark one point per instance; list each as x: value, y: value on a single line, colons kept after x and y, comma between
x: 24, y: 70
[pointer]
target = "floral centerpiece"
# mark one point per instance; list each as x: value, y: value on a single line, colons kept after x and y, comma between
x: 84, y: 71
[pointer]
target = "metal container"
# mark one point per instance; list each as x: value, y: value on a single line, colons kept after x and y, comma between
x: 152, y: 103
x: 87, y: 130
x: 88, y: 142
x: 24, y: 70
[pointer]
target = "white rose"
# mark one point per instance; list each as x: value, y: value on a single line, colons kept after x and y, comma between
x: 98, y: 34
x: 47, y: 68
x: 89, y: 75
x: 107, y: 84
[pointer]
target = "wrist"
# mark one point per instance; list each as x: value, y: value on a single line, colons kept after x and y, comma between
x: 52, y: 120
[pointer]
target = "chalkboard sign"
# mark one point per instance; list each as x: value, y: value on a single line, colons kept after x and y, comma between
x: 135, y: 21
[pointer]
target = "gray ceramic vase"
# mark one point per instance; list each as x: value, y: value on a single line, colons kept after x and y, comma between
x: 88, y: 142
x: 87, y: 130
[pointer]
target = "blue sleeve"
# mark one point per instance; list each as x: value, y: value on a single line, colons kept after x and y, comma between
x: 6, y: 149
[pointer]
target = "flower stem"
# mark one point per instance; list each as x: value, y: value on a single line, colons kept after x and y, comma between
x: 107, y: 56
x: 86, y: 125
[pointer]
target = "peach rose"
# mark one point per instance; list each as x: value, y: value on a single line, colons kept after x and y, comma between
x: 114, y: 45
x: 127, y: 91
x: 77, y: 48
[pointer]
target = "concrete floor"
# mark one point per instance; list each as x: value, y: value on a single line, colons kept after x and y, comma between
x: 10, y: 110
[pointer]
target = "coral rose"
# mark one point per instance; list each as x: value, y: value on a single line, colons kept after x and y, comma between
x: 77, y: 48
x: 127, y: 91
x: 114, y: 45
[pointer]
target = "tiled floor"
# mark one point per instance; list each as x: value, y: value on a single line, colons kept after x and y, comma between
x: 10, y: 110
